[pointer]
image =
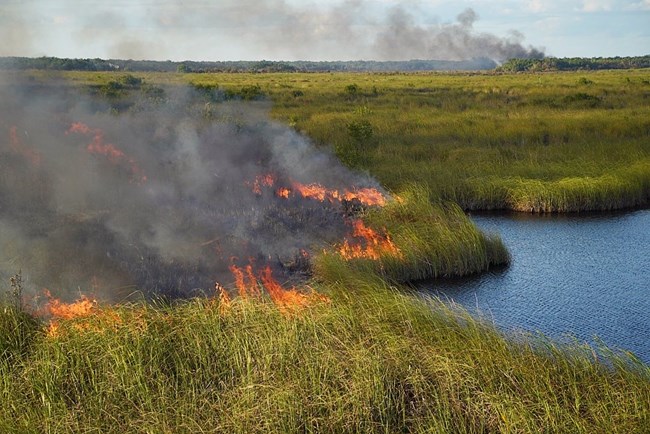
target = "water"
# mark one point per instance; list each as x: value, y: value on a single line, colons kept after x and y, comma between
x: 571, y: 277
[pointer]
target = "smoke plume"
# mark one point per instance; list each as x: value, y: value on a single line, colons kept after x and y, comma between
x: 255, y: 30
x: 404, y: 40
x: 162, y: 197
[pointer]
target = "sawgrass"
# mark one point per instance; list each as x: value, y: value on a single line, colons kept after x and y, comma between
x: 371, y: 360
x: 432, y: 240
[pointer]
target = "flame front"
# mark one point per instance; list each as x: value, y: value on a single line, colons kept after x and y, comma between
x: 59, y: 310
x: 367, y: 196
x: 249, y: 286
x: 368, y: 244
x: 110, y: 151
x: 80, y: 308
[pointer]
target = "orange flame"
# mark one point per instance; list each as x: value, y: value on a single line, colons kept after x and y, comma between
x: 283, y: 193
x: 283, y: 298
x: 110, y: 151
x: 312, y: 191
x: 369, y: 244
x: 80, y: 308
x: 224, y: 298
x: 367, y: 196
x: 262, y: 181
x: 245, y: 281
x: 64, y: 311
x: 18, y: 147
x: 247, y: 285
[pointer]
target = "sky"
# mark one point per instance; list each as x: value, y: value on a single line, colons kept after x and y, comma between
x: 213, y: 30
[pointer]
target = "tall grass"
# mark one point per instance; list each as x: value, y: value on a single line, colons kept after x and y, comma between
x: 433, y: 240
x: 565, y: 141
x: 372, y: 360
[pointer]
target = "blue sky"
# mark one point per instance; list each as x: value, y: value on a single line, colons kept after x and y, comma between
x: 323, y: 30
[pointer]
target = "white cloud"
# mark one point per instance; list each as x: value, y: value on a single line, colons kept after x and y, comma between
x: 537, y: 5
x: 643, y: 5
x: 596, y: 5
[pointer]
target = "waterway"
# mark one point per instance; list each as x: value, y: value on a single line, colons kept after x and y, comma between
x: 572, y: 277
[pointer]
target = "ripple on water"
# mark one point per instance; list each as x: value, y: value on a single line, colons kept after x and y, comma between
x: 583, y: 276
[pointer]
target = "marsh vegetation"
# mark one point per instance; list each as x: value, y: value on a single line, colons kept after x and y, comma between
x: 369, y: 356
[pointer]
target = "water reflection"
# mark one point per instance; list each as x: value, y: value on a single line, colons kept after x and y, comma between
x: 572, y: 276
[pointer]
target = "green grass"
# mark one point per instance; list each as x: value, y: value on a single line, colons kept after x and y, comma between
x: 546, y: 142
x: 433, y: 240
x: 372, y: 360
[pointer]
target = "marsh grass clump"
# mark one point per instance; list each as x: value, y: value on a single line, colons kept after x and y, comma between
x: 431, y: 239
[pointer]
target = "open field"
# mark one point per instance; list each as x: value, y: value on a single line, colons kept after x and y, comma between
x: 570, y: 141
x: 548, y: 142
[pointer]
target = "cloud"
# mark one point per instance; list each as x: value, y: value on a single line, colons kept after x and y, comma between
x: 643, y: 5
x: 596, y: 5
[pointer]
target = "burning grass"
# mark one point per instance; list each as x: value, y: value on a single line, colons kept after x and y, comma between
x: 249, y: 285
x: 372, y: 360
x: 418, y: 240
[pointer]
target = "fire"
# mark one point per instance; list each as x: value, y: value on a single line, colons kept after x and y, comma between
x: 245, y: 281
x: 85, y: 312
x: 262, y: 181
x: 367, y: 196
x: 59, y: 310
x: 283, y: 298
x: 369, y: 244
x: 314, y: 191
x: 283, y: 193
x: 18, y: 147
x: 110, y: 151
x: 248, y: 285
x: 80, y: 308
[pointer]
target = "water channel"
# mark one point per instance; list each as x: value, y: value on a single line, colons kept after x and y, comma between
x: 584, y: 277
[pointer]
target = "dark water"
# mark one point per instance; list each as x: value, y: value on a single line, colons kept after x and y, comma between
x: 571, y: 277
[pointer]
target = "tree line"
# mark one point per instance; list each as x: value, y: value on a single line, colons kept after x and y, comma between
x: 574, y: 64
x: 484, y: 64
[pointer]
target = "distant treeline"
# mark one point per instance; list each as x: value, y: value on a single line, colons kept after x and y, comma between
x: 58, y: 64
x: 575, y: 64
x: 513, y: 65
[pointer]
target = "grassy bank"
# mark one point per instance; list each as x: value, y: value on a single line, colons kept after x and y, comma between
x: 371, y: 360
x: 424, y: 240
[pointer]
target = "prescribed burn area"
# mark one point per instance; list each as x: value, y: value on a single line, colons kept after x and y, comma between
x: 170, y: 198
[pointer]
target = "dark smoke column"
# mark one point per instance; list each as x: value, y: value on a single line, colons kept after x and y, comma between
x: 405, y: 40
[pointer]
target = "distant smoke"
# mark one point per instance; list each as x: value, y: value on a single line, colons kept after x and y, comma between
x: 259, y: 29
x: 404, y: 40
x: 15, y: 32
x: 161, y: 199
